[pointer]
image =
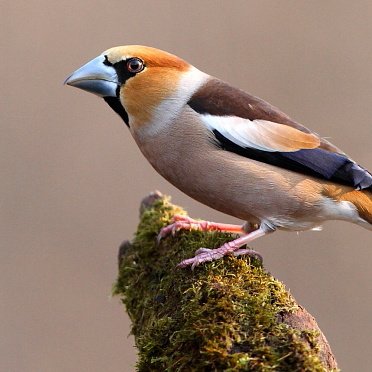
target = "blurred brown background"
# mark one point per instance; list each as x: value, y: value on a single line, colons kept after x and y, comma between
x: 72, y: 177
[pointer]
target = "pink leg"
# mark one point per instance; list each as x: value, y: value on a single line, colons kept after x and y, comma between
x: 205, y: 255
x: 186, y: 223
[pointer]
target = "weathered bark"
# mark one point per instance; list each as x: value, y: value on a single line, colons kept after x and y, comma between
x: 228, y: 315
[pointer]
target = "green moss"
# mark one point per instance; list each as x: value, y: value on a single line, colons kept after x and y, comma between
x: 223, y: 316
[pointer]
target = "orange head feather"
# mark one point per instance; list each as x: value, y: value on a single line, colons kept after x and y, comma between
x: 143, y: 93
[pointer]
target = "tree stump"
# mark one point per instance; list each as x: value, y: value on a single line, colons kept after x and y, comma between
x: 226, y: 315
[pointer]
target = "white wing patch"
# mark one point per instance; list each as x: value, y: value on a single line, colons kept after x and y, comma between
x: 261, y: 134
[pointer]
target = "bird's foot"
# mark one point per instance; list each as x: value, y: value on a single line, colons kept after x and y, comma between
x: 234, y: 247
x: 180, y: 222
x: 206, y: 255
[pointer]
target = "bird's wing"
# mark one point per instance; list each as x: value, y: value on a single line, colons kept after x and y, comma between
x: 252, y: 128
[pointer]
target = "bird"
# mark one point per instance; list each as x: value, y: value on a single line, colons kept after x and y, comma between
x: 227, y: 149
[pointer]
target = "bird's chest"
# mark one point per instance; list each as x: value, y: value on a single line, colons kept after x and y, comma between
x: 192, y: 163
x: 174, y: 156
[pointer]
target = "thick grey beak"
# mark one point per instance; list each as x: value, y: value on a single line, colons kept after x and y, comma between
x: 95, y: 77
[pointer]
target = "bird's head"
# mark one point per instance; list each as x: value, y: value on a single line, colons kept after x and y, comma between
x: 138, y: 82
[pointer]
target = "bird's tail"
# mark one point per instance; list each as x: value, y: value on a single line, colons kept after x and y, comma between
x: 361, y: 199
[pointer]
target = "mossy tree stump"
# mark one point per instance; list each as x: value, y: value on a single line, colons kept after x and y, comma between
x: 227, y: 315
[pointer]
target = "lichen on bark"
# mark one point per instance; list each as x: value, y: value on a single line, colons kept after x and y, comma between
x: 226, y: 315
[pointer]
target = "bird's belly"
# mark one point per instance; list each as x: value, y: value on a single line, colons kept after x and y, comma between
x: 231, y: 184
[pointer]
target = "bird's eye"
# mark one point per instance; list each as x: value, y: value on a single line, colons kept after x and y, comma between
x: 135, y: 65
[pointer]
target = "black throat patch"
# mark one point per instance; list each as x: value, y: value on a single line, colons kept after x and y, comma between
x: 123, y: 75
x: 115, y: 104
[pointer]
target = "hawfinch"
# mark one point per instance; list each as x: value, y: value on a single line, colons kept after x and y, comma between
x: 227, y: 149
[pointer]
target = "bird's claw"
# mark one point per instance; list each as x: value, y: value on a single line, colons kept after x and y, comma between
x: 203, y: 250
x: 207, y: 255
x: 178, y: 222
x: 166, y: 231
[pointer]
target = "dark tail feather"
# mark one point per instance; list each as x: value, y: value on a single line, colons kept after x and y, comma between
x: 353, y: 174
